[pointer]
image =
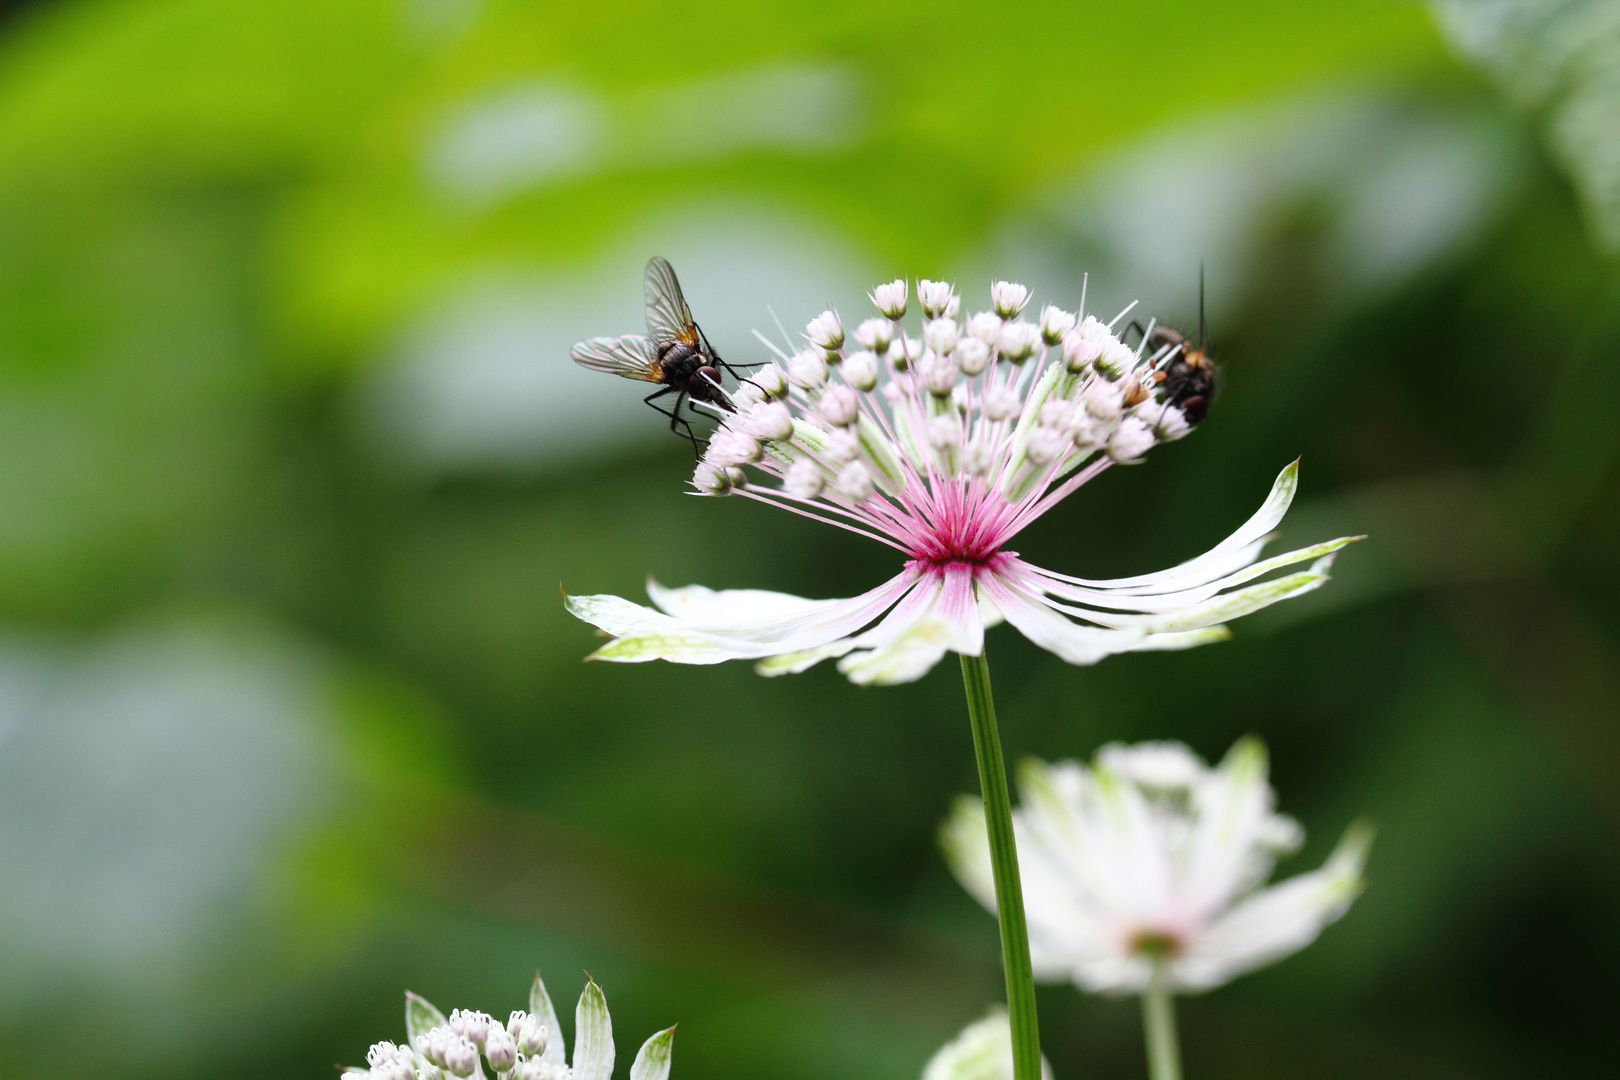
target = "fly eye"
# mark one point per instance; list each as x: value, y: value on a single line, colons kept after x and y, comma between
x: 708, y: 374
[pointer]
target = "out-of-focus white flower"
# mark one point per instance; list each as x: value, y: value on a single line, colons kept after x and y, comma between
x: 1019, y: 340
x: 771, y: 421
x: 972, y: 356
x: 875, y: 334
x: 890, y: 298
x: 986, y: 326
x: 826, y: 331
x: 861, y: 369
x: 946, y: 462
x: 941, y: 335
x: 1150, y: 856
x: 1008, y: 298
x: 935, y: 297
x: 528, y: 1047
x: 807, y: 369
x: 983, y: 1051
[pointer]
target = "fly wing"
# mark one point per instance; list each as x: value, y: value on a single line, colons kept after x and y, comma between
x: 668, y: 317
x: 631, y: 356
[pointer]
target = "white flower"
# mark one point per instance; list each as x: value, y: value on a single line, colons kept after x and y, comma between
x: 890, y: 298
x: 935, y: 297
x: 1055, y: 322
x: 950, y: 497
x: 1150, y: 855
x: 861, y: 369
x: 528, y: 1047
x: 826, y: 331
x: 1008, y: 298
x: 983, y: 1051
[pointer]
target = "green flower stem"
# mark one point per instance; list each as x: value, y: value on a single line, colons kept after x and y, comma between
x: 1159, y: 1023
x: 1026, y: 1033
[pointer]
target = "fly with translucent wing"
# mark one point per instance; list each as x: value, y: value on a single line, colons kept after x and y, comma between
x: 673, y: 353
x: 1185, y: 373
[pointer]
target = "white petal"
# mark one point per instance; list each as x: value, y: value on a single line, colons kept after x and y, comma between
x: 1130, y: 600
x: 742, y: 607
x: 1036, y: 620
x: 1224, y: 853
x: 940, y: 615
x: 652, y: 1062
x: 593, y: 1036
x: 778, y: 624
x: 540, y: 1006
x: 1277, y: 921
x: 1239, y: 549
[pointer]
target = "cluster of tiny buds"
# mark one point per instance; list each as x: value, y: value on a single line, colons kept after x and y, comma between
x: 454, y: 1048
x: 805, y: 418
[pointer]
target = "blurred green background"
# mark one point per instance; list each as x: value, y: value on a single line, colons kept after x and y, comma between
x: 292, y: 463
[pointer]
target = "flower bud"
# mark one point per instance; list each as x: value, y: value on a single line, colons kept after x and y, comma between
x: 986, y: 326
x: 1046, y: 445
x: 941, y: 335
x: 711, y: 479
x: 528, y: 1032
x: 972, y: 356
x: 1018, y: 341
x: 875, y: 334
x: 1117, y: 358
x: 728, y: 447
x: 500, y: 1050
x: 1104, y: 400
x: 903, y: 352
x: 1056, y: 414
x: 771, y: 380
x: 1130, y: 441
x: 826, y: 331
x: 1008, y: 298
x: 890, y: 298
x: 1080, y: 351
x: 841, y: 445
x: 1168, y: 422
x: 944, y: 432
x: 954, y: 307
x: 861, y: 369
x: 976, y: 458
x: 807, y: 369
x: 999, y: 403
x: 771, y: 421
x: 934, y: 296
x: 840, y: 406
x: 1055, y: 322
x: 938, y: 373
x: 803, y: 479
x: 854, y: 482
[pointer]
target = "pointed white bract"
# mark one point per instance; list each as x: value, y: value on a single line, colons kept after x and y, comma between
x: 1149, y: 854
x: 528, y: 1046
x: 945, y: 447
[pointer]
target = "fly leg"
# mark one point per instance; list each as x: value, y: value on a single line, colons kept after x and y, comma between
x: 677, y: 423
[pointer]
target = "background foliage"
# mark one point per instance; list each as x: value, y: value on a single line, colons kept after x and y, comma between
x: 292, y: 463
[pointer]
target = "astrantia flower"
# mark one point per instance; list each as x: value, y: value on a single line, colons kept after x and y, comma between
x: 1149, y: 855
x: 983, y: 1051
x: 946, y: 456
x: 529, y: 1046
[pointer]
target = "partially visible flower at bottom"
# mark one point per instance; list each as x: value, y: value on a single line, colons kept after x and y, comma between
x: 1150, y: 856
x: 983, y: 1051
x: 529, y: 1046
